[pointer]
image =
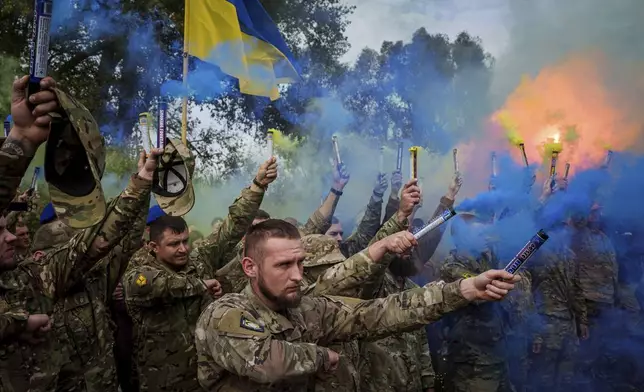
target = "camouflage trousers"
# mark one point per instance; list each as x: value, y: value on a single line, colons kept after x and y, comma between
x: 29, y: 367
x: 553, y: 368
x: 518, y: 348
x: 611, y: 357
x: 468, y: 377
x: 84, y: 373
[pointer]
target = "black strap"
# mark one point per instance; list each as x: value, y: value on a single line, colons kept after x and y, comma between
x: 167, y: 167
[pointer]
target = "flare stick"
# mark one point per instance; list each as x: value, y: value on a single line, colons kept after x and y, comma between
x: 527, y: 251
x: 442, y: 218
x: 336, y: 149
x: 39, y: 53
x: 413, y: 159
x: 399, y: 158
x: 162, y: 121
x: 454, y: 153
x: 269, y: 143
x: 523, y: 155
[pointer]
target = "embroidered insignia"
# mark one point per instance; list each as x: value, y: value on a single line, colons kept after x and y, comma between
x: 141, y: 281
x: 468, y: 275
x: 251, y: 325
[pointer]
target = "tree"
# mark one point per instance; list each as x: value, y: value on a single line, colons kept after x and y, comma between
x: 115, y: 56
x: 429, y: 90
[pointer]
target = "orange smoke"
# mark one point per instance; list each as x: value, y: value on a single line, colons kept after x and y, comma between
x: 578, y: 106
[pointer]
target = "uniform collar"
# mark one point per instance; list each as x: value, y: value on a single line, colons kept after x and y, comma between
x: 290, y: 322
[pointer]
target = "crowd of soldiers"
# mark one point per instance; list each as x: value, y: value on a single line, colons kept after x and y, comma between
x: 114, y: 295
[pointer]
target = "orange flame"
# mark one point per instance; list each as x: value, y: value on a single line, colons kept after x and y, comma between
x: 574, y: 106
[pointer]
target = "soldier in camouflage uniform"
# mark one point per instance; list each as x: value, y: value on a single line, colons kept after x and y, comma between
x: 271, y: 338
x: 402, y: 362
x: 32, y: 362
x: 369, y: 224
x: 562, y: 310
x: 75, y: 161
x: 232, y: 276
x: 165, y: 296
x: 82, y: 320
x: 43, y: 280
x: 475, y: 334
x: 598, y: 275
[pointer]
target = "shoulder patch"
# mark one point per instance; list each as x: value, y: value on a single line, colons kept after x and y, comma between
x: 468, y: 275
x: 238, y: 322
x: 247, y: 323
x: 141, y: 280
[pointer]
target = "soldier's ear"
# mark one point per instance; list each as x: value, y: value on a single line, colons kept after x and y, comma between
x: 153, y: 246
x: 250, y: 267
x: 38, y: 255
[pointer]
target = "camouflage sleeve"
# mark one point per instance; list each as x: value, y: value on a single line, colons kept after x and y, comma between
x: 392, y: 226
x: 427, y: 374
x: 120, y: 256
x: 344, y: 319
x: 235, y: 341
x: 68, y: 264
x: 232, y: 276
x: 12, y: 322
x: 392, y: 206
x: 220, y: 245
x: 147, y: 286
x: 320, y: 221
x: 367, y: 229
x: 452, y: 270
x: 347, y: 278
x: 427, y: 244
x: 12, y: 168
x: 316, y: 224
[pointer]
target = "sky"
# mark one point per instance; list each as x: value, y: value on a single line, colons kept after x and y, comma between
x: 375, y: 21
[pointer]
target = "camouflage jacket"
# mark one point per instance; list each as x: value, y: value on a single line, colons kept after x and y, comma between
x: 244, y: 346
x: 475, y: 334
x: 367, y: 229
x: 598, y: 268
x: 12, y: 169
x: 399, y: 362
x: 165, y: 304
x: 39, y: 285
x: 519, y: 309
x: 82, y: 320
x: 558, y: 294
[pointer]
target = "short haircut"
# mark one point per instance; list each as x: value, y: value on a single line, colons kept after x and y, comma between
x: 262, y: 232
x: 261, y: 214
x: 334, y: 220
x: 176, y: 224
x: 216, y: 220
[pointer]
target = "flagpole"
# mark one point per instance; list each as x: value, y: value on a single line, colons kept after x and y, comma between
x: 184, y: 103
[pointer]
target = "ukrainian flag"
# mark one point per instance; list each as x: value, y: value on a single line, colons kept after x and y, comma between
x: 241, y: 39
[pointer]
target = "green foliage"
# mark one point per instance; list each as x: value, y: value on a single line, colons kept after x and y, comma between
x: 8, y: 67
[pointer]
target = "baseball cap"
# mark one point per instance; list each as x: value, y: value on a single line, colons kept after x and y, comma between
x: 51, y: 235
x: 74, y: 164
x: 48, y: 214
x: 172, y: 183
x: 321, y: 250
x: 154, y: 213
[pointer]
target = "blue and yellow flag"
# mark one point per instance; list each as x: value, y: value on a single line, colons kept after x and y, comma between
x: 241, y: 39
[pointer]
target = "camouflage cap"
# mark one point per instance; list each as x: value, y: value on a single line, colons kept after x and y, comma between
x: 320, y: 250
x: 74, y: 164
x: 172, y: 185
x: 51, y: 235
